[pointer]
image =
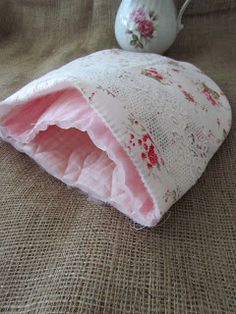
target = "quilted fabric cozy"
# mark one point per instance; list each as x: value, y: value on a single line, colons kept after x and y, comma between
x: 133, y: 130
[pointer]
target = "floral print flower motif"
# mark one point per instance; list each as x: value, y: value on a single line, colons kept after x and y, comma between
x: 176, y: 64
x: 107, y: 91
x: 211, y: 95
x: 198, y: 142
x: 153, y: 73
x: 143, y: 28
x: 148, y: 153
x: 170, y: 194
x: 189, y: 96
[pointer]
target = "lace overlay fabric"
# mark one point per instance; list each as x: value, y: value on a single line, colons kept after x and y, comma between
x: 166, y: 116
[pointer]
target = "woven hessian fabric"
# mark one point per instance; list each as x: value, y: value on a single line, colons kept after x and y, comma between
x: 62, y: 253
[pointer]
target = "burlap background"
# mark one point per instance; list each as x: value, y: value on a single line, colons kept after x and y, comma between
x: 59, y: 252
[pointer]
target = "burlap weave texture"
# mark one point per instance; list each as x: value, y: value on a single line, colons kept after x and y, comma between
x: 59, y: 252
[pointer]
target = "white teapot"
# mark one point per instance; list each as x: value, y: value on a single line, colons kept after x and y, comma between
x: 148, y: 25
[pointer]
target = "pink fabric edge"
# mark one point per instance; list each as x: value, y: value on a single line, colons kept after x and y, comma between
x: 67, y: 110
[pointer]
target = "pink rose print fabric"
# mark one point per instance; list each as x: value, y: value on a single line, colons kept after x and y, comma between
x: 132, y: 130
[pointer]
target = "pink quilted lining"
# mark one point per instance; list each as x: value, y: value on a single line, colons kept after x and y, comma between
x: 63, y: 134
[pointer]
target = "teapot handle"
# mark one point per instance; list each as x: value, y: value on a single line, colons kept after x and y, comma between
x: 180, y: 26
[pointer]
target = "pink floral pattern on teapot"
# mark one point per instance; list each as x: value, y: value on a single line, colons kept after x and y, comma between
x: 144, y: 27
x: 148, y: 25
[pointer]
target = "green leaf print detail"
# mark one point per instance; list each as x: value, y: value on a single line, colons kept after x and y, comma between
x: 136, y: 42
x: 213, y: 92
